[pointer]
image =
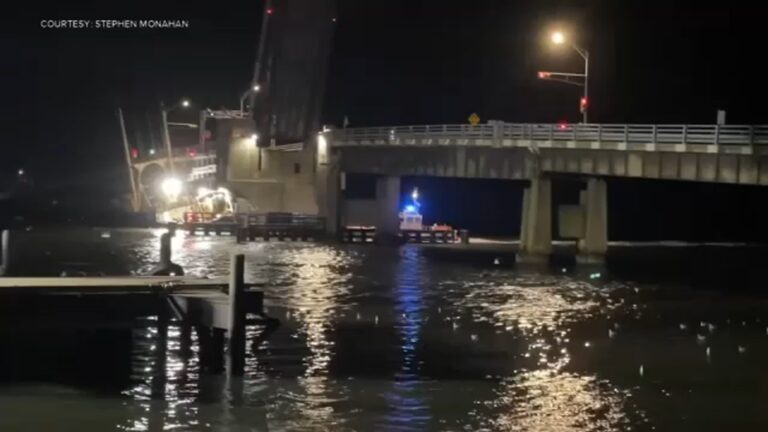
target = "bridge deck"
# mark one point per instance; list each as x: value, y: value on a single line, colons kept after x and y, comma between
x: 705, y: 153
x: 700, y: 138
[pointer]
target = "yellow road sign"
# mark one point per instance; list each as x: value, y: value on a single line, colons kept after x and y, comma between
x: 474, y: 119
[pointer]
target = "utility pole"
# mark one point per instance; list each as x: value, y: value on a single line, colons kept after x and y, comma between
x: 183, y: 103
x: 134, y: 193
x: 167, y: 138
x: 150, y: 132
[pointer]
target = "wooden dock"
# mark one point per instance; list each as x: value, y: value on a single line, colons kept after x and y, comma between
x: 214, y: 307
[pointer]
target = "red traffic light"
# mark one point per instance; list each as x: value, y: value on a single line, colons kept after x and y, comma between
x: 583, y: 104
x: 562, y: 125
x: 545, y: 75
x: 269, y: 11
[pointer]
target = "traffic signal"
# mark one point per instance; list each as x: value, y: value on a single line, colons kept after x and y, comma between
x: 545, y: 75
x: 583, y: 104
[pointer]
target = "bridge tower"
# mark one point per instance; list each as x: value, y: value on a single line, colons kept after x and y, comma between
x: 267, y: 149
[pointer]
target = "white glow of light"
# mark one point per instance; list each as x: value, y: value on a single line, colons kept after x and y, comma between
x: 151, y: 152
x: 21, y: 171
x: 185, y: 103
x: 558, y: 38
x: 171, y: 187
x: 254, y: 139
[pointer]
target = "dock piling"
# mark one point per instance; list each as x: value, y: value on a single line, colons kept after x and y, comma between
x: 5, y: 249
x: 236, y: 352
x: 165, y: 249
x: 167, y: 267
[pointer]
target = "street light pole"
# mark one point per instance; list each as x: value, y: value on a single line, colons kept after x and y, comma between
x: 166, y: 135
x: 585, y: 55
x: 250, y: 92
x: 135, y: 204
x: 558, y: 38
x: 167, y: 138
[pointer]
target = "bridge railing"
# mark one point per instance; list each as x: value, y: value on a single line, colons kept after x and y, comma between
x: 280, y: 220
x: 269, y: 220
x: 626, y: 133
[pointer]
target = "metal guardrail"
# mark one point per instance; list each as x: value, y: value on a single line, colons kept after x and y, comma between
x: 195, y: 152
x: 622, y: 133
x: 282, y: 220
x: 269, y: 220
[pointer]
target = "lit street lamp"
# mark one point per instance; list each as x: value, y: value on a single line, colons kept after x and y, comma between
x: 171, y: 188
x: 184, y: 103
x: 559, y: 38
x: 251, y: 91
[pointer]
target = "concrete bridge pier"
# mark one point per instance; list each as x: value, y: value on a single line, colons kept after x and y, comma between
x: 328, y: 195
x: 536, y: 226
x: 387, y: 208
x: 594, y: 243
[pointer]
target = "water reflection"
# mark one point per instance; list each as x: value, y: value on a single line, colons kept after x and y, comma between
x: 408, y: 408
x: 530, y: 308
x: 408, y: 338
x: 550, y: 400
x: 312, y: 297
x: 164, y: 371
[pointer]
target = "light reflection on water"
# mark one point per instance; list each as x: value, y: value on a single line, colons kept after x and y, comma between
x: 407, y: 339
x: 551, y: 400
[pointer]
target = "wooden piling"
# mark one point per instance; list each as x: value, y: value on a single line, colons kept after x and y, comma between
x: 241, y: 234
x: 217, y: 350
x: 204, y: 341
x: 185, y: 341
x: 5, y: 252
x: 165, y: 249
x: 236, y: 352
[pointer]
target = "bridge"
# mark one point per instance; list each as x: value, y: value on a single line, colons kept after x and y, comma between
x: 716, y: 153
x: 538, y: 153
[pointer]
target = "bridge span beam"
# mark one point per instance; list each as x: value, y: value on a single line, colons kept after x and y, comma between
x: 536, y: 227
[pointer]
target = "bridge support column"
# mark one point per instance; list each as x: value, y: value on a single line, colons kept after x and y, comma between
x: 328, y: 195
x: 387, y: 207
x: 594, y: 202
x: 536, y: 227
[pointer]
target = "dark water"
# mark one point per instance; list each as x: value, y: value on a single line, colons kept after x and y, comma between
x: 416, y: 338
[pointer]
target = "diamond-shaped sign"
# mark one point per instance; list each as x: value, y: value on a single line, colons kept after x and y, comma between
x: 474, y: 119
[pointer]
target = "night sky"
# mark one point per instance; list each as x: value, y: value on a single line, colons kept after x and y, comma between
x: 394, y: 62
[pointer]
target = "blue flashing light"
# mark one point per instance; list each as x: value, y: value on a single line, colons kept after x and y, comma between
x: 410, y: 208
